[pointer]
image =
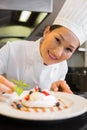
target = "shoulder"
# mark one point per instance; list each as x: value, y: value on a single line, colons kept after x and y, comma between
x: 19, y: 42
x: 63, y: 66
x: 24, y: 42
x: 64, y: 63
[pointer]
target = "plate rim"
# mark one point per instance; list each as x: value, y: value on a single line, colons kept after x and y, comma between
x: 22, y: 114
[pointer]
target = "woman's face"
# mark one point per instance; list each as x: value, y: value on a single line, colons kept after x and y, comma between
x: 58, y: 45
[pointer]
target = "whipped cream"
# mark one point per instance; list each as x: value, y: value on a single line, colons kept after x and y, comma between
x: 39, y: 99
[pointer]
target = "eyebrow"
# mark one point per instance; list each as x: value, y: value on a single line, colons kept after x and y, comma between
x: 61, y: 36
x: 72, y: 47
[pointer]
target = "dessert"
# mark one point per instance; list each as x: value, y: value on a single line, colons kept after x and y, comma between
x: 37, y: 100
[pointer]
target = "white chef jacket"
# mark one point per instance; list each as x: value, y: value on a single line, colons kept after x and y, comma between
x: 21, y: 60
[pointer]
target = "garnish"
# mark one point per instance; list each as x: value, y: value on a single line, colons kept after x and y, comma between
x: 45, y: 93
x: 20, y: 85
x: 27, y: 97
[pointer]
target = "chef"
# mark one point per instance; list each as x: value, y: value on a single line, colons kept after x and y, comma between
x: 44, y: 62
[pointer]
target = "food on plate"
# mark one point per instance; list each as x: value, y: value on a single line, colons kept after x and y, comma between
x: 37, y: 100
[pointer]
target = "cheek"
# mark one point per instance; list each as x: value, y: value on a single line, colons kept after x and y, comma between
x: 49, y: 41
x: 66, y: 56
x: 43, y: 49
x: 46, y: 46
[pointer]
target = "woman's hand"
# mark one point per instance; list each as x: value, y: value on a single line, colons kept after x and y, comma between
x: 6, y: 85
x: 60, y: 85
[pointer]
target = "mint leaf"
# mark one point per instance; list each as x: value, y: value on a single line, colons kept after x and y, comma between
x: 19, y: 86
x: 15, y: 81
x: 18, y: 90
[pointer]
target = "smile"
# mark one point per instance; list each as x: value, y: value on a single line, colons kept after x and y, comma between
x: 52, y: 56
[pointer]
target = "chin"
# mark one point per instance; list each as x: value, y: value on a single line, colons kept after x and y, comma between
x: 50, y: 63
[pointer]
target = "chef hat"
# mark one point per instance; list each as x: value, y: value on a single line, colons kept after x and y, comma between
x: 73, y: 15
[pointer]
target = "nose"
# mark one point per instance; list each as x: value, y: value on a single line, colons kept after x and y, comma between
x: 58, y: 51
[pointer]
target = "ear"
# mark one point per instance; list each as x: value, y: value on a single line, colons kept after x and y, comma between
x: 46, y: 31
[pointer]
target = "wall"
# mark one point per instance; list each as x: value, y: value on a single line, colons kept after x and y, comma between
x: 77, y: 60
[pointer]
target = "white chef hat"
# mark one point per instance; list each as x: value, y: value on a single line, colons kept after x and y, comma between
x: 73, y: 15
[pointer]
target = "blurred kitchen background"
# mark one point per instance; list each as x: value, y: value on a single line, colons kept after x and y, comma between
x: 26, y: 19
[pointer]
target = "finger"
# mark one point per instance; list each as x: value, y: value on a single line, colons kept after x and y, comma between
x: 4, y: 88
x: 65, y: 87
x: 54, y: 87
x: 61, y: 86
x: 68, y: 90
x: 6, y: 82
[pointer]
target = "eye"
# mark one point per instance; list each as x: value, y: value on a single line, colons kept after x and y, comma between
x: 69, y: 49
x: 58, y: 40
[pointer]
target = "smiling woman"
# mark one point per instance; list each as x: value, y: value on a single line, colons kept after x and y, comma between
x: 44, y: 62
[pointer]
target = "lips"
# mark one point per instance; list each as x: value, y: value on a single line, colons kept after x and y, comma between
x: 53, y: 57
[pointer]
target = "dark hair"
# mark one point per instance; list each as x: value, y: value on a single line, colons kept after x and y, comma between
x: 52, y: 27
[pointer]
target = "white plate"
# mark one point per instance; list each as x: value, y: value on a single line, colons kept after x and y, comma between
x: 77, y: 105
